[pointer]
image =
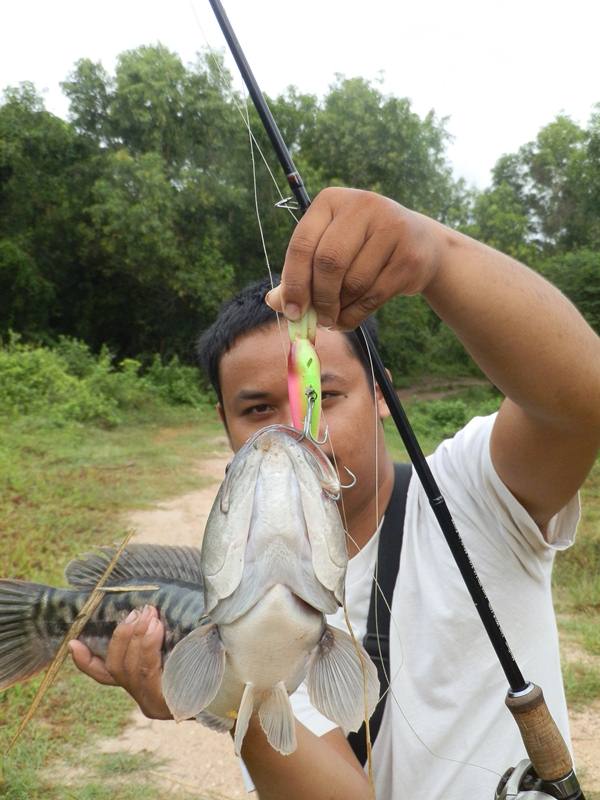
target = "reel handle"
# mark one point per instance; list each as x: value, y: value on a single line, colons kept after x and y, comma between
x: 543, y: 741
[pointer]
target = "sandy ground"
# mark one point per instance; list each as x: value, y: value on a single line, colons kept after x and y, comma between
x: 196, y: 758
x: 190, y: 756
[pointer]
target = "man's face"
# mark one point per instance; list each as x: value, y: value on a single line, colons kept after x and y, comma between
x: 253, y: 378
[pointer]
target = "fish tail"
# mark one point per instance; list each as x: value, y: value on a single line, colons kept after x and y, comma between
x: 25, y: 647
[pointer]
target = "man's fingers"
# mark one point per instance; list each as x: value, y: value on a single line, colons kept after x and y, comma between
x: 336, y: 251
x: 132, y: 654
x: 119, y: 645
x: 90, y: 664
x: 377, y: 294
x: 274, y: 299
x: 377, y: 249
x: 296, y: 277
x: 150, y: 662
x: 151, y: 698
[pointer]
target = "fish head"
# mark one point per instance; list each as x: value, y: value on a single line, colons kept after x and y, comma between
x: 279, y: 485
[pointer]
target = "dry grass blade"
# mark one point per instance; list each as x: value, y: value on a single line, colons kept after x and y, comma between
x: 363, y: 668
x: 144, y: 587
x: 78, y: 625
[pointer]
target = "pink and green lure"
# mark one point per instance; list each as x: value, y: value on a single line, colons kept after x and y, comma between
x: 304, y: 374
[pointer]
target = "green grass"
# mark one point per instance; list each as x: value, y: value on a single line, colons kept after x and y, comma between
x: 61, y: 489
x: 64, y: 490
x: 582, y: 683
x: 435, y: 420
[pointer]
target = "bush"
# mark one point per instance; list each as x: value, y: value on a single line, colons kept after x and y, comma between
x: 175, y: 383
x: 36, y: 380
x: 76, y: 355
x: 69, y: 383
x: 440, y: 419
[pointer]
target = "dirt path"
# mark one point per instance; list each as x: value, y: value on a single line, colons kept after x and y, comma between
x: 190, y: 755
x: 198, y: 759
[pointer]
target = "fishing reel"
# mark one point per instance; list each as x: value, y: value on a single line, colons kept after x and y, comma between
x: 522, y: 783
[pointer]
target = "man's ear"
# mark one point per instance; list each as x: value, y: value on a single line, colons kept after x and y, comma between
x: 382, y: 407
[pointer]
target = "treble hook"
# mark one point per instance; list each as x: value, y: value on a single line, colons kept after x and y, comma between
x: 311, y: 399
x: 354, y: 480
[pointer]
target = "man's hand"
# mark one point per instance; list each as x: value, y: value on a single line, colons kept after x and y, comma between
x: 133, y: 661
x: 350, y: 253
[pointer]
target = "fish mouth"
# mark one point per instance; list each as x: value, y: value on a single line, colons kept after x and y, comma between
x: 324, y: 461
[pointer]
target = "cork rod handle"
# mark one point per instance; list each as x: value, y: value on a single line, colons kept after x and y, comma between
x: 543, y: 741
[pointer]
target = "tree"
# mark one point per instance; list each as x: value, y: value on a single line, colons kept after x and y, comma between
x: 364, y: 138
x: 42, y: 161
x: 500, y: 219
x: 577, y: 274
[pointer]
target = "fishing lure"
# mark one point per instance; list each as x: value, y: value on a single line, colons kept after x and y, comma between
x: 304, y: 375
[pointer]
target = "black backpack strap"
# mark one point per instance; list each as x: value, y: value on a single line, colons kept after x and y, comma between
x: 377, y: 638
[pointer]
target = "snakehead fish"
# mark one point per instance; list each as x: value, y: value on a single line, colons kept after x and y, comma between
x: 273, y: 562
x: 34, y: 618
x: 244, y: 618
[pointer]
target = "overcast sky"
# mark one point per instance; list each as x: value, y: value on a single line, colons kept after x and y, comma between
x: 498, y: 70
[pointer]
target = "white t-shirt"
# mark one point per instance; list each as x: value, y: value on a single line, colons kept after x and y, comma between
x: 446, y: 733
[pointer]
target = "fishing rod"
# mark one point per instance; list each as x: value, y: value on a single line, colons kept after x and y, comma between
x: 550, y: 761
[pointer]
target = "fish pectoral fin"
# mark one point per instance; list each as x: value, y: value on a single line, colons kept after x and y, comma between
x: 336, y: 682
x: 277, y: 720
x: 243, y: 717
x: 193, y: 672
x: 219, y: 724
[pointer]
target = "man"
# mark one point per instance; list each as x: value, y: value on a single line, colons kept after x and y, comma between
x: 510, y: 480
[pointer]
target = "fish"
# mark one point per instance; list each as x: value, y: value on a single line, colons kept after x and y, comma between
x: 273, y: 563
x: 34, y: 617
x: 244, y: 616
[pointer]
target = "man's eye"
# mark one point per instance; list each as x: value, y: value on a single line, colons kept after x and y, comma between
x: 262, y: 408
x: 329, y: 395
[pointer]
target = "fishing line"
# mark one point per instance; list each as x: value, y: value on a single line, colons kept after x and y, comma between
x: 378, y: 522
x: 260, y: 227
x: 390, y: 690
x: 245, y: 120
x: 253, y: 143
x: 380, y: 593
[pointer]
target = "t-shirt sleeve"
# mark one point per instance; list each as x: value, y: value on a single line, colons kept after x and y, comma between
x: 469, y: 481
x: 308, y: 715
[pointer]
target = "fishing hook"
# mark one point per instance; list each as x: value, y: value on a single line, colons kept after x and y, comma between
x: 287, y: 203
x: 311, y: 399
x: 354, y: 480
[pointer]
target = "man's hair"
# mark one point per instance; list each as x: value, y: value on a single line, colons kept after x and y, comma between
x: 246, y: 312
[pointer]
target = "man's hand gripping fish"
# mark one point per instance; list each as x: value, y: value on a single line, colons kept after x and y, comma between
x: 274, y: 562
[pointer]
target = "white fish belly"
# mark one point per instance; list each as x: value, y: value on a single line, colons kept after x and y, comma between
x: 270, y: 643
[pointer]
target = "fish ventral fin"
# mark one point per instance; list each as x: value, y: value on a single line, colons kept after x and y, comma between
x: 243, y: 718
x: 193, y: 672
x: 219, y: 724
x: 138, y: 561
x: 277, y: 720
x: 23, y: 650
x: 335, y: 682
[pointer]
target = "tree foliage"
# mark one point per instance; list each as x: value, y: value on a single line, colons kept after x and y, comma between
x: 128, y: 225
